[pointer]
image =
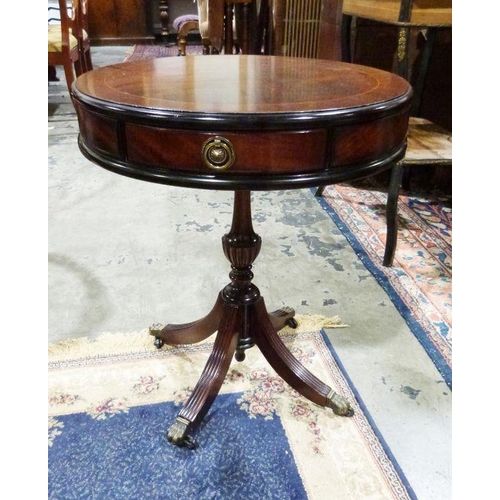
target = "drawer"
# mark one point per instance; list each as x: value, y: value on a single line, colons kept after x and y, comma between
x: 272, y: 152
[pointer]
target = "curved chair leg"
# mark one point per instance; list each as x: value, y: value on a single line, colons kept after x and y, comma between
x: 392, y: 214
x: 210, y: 382
x: 184, y: 27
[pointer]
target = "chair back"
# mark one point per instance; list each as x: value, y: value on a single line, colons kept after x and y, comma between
x: 83, y: 22
x: 63, y: 46
x: 303, y: 28
x: 62, y: 35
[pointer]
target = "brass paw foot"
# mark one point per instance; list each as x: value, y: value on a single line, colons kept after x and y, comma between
x: 339, y: 405
x: 155, y: 329
x: 177, y: 434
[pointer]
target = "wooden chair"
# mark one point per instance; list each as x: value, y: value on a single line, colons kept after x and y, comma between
x: 209, y: 22
x: 184, y: 25
x: 214, y: 22
x: 211, y: 25
x: 63, y: 48
x: 427, y: 16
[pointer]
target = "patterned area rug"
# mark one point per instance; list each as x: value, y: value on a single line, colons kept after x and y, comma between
x: 111, y: 401
x: 419, y: 283
x: 139, y: 52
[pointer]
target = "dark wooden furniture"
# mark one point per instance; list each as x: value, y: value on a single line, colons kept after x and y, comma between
x: 240, y: 26
x: 430, y: 144
x: 121, y: 22
x: 229, y: 14
x: 163, y: 14
x: 430, y: 15
x: 300, y: 28
x: 242, y: 123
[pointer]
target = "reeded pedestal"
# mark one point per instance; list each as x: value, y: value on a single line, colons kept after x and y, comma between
x: 241, y: 320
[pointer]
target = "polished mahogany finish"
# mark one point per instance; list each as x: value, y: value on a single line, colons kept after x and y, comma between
x: 242, y: 123
x: 301, y: 122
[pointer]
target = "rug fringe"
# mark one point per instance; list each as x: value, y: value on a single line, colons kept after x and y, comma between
x: 141, y: 341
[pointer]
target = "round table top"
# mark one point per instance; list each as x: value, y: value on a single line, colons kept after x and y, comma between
x: 242, y: 121
x: 242, y: 84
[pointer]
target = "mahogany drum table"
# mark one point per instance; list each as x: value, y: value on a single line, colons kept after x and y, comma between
x: 242, y: 123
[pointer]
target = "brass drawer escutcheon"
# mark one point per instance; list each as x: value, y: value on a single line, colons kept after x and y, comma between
x: 218, y: 153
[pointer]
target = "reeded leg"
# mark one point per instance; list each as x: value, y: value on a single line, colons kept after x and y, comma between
x: 290, y: 370
x: 210, y: 382
x: 189, y: 333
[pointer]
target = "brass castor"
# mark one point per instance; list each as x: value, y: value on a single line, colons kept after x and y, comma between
x: 339, y: 405
x: 177, y: 434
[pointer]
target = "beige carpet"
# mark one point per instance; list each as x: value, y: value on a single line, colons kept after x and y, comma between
x: 100, y: 392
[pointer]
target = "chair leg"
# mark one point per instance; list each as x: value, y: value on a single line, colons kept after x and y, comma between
x: 346, y: 38
x: 392, y: 214
x: 87, y: 61
x: 79, y: 66
x: 319, y: 191
x: 69, y: 72
x: 423, y: 69
x: 53, y: 74
x: 206, y: 46
x: 181, y: 44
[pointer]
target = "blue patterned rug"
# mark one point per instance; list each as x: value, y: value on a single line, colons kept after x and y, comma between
x: 111, y: 401
x: 420, y: 281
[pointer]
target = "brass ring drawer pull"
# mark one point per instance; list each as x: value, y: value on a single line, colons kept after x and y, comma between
x: 218, y: 153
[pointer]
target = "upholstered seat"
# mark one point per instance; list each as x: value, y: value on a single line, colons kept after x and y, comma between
x: 55, y: 42
x: 179, y: 21
x: 209, y: 22
x: 183, y: 25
